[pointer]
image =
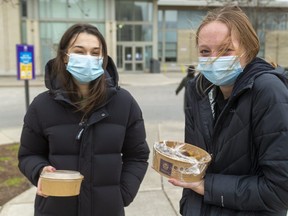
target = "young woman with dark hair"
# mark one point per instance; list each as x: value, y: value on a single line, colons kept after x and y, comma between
x: 85, y: 122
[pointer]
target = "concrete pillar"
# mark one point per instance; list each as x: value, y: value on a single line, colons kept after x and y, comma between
x: 110, y: 26
x: 155, y: 30
x: 9, y: 37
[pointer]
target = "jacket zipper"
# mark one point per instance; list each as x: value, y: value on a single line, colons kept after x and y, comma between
x: 80, y: 132
x: 228, y: 108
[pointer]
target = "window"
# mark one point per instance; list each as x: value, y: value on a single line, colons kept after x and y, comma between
x: 134, y: 10
x: 84, y: 9
x: 130, y: 32
x: 167, y: 36
x: 24, y: 8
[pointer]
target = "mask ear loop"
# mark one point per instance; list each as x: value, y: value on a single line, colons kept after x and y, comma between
x: 235, y: 60
x: 209, y: 60
x: 98, y: 59
x: 65, y: 58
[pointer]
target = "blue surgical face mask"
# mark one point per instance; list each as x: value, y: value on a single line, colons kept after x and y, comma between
x: 85, y: 68
x: 221, y: 71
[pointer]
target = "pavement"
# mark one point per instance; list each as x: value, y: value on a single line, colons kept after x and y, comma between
x: 156, y: 196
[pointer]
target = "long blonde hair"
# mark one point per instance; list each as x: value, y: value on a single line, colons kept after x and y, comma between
x: 239, y: 25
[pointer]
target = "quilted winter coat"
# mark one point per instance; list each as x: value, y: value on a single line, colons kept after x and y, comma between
x: 248, y: 142
x: 109, y: 149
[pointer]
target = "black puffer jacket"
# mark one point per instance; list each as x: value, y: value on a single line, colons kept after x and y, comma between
x: 249, y: 146
x: 109, y: 149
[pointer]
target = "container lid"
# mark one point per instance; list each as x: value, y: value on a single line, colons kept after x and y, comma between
x: 62, y: 174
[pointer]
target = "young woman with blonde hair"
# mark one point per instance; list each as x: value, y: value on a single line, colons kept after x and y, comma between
x: 237, y: 111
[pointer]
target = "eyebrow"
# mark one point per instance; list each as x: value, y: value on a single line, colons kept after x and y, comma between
x: 203, y: 47
x: 220, y: 46
x: 78, y: 46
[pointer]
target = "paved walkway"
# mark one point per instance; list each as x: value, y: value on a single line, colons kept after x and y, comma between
x: 156, y: 196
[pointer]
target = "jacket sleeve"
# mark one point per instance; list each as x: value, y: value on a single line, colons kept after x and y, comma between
x: 135, y: 155
x: 181, y: 85
x: 32, y: 155
x: 268, y: 190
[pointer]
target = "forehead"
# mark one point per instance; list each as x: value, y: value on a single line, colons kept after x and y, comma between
x: 214, y: 34
x: 85, y: 40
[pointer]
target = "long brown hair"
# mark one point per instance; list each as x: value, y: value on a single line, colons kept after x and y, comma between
x: 97, y: 88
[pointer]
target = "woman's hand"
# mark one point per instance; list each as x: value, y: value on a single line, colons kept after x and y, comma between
x: 39, y: 188
x: 198, y: 187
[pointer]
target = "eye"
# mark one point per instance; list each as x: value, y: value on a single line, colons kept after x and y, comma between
x: 78, y: 51
x: 204, y: 52
x: 95, y: 53
x: 227, y: 52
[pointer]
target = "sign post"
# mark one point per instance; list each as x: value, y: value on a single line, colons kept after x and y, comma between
x: 25, y: 66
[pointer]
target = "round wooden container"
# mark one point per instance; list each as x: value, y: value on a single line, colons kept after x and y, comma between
x: 61, y: 183
x: 176, y: 168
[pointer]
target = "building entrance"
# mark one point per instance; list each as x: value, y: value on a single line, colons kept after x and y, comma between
x: 133, y: 58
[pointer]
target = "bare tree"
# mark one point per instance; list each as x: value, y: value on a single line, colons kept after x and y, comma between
x: 12, y: 2
x: 270, y: 20
x: 254, y: 9
x: 223, y: 2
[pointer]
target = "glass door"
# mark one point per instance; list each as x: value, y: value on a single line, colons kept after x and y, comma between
x: 128, y: 61
x: 139, y: 62
x: 133, y: 58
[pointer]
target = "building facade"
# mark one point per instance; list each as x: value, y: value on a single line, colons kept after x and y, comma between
x: 136, y: 31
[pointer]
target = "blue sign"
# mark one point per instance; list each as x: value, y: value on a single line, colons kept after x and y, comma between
x: 25, y: 62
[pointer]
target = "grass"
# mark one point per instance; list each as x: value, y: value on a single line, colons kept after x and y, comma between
x: 12, y: 182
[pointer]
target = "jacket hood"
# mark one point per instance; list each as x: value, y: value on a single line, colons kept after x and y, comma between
x: 246, y: 79
x: 53, y: 84
x: 252, y: 70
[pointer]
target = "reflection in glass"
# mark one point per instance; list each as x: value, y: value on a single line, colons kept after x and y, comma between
x: 128, y: 66
x: 171, y: 46
x: 139, y: 67
x: 95, y: 11
x: 24, y: 8
x: 138, y: 53
x: 134, y: 10
x: 148, y: 55
x: 171, y: 19
x: 52, y: 9
x: 72, y: 9
x: 130, y: 11
x: 50, y: 34
x: 127, y: 32
x: 128, y: 53
x: 120, y: 56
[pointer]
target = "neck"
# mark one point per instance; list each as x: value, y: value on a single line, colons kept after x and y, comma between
x: 226, y: 91
x: 84, y: 89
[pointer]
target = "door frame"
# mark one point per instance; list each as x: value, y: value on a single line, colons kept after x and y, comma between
x: 136, y: 65
x: 133, y: 60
